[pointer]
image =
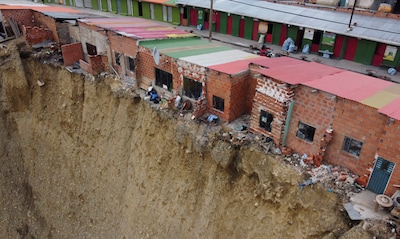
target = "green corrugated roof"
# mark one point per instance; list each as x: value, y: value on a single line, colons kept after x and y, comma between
x: 178, y: 48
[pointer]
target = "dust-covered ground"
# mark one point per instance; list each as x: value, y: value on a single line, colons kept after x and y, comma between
x: 81, y: 158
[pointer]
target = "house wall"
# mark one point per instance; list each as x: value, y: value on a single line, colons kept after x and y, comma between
x: 21, y: 16
x: 97, y: 37
x: 272, y: 96
x: 359, y: 122
x: 389, y: 149
x: 72, y: 53
x: 125, y: 46
x: 48, y: 22
x: 314, y: 109
x: 239, y: 90
x: 219, y: 85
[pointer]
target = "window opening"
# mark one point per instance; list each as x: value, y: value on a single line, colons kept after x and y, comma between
x: 266, y: 120
x: 352, y: 146
x: 218, y: 103
x: 191, y: 88
x: 305, y: 132
x: 163, y: 79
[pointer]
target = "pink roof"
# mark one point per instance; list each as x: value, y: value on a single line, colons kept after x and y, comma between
x: 299, y: 72
x: 392, y: 109
x: 39, y: 8
x: 350, y: 85
x: 235, y: 66
x: 346, y: 84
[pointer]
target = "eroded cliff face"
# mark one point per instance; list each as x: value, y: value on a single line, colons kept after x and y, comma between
x: 83, y: 159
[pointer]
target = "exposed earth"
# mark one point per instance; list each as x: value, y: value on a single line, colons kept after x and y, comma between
x: 85, y: 157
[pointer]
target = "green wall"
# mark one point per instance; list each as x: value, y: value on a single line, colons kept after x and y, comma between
x: 95, y: 5
x: 235, y: 25
x: 114, y: 6
x: 124, y: 7
x: 104, y: 7
x: 176, y: 16
x: 158, y: 12
x: 248, y: 28
x: 276, y: 33
x: 223, y: 20
x: 135, y: 6
x: 146, y: 10
x: 365, y: 52
x: 292, y: 32
x: 200, y: 16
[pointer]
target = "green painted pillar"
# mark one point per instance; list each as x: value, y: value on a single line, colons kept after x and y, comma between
x: 158, y: 12
x: 200, y: 17
x: 248, y: 28
x: 104, y: 7
x: 135, y: 8
x: 124, y: 7
x: 276, y: 34
x: 292, y: 32
x: 365, y: 52
x: 223, y: 21
x: 235, y: 25
x: 95, y: 5
x: 176, y: 15
x: 114, y: 6
x: 146, y: 10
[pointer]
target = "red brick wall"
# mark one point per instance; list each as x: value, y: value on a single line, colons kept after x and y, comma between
x: 273, y: 97
x: 251, y: 90
x: 95, y: 65
x: 72, y: 53
x: 359, y: 122
x: 389, y: 149
x: 314, y: 109
x: 125, y: 46
x: 50, y: 23
x: 239, y: 93
x: 219, y: 85
x: 21, y: 16
x: 34, y: 35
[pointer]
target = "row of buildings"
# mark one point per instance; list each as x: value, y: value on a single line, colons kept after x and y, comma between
x: 370, y: 36
x: 333, y: 115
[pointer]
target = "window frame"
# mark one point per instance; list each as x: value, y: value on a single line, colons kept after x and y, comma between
x: 217, y: 101
x: 308, y: 128
x: 348, y: 142
x: 269, y: 118
x: 161, y: 81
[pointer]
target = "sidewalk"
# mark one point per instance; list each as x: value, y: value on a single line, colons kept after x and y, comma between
x: 244, y: 44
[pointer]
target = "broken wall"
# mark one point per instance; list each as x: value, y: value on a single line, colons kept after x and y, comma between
x: 72, y: 53
x: 96, y: 37
x: 125, y: 47
x: 272, y: 96
x: 47, y: 22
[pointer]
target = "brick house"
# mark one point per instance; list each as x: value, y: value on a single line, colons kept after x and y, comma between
x: 213, y: 77
x: 341, y: 117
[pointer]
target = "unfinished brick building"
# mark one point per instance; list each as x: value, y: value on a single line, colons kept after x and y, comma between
x: 304, y: 106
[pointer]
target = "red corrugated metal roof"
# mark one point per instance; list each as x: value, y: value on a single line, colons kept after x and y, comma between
x: 350, y: 85
x: 298, y: 72
x: 392, y: 109
x: 236, y: 66
x: 343, y: 83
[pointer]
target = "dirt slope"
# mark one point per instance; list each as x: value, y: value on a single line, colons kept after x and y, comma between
x: 81, y: 161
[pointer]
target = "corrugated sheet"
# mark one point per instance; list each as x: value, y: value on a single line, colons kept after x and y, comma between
x: 368, y: 27
x: 137, y: 28
x: 374, y: 92
x: 392, y: 109
x: 299, y: 72
x: 216, y: 58
x: 235, y: 66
